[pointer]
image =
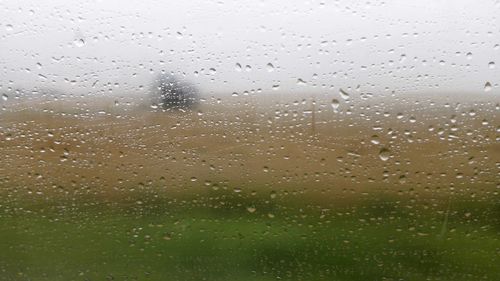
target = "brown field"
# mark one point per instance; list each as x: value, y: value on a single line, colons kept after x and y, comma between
x: 292, y: 146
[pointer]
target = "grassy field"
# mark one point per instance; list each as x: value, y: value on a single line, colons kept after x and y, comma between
x: 227, y: 235
x: 266, y: 192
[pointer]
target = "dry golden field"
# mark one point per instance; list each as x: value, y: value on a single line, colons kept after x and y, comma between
x: 298, y: 146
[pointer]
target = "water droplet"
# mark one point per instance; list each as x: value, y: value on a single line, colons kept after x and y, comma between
x: 237, y: 66
x: 273, y: 194
x: 344, y: 94
x: 251, y: 209
x: 5, y: 97
x: 301, y: 82
x: 402, y: 179
x: 335, y: 105
x: 79, y: 42
x: 270, y: 67
x: 384, y: 154
x: 9, y: 27
x: 491, y: 64
x: 469, y: 55
x: 487, y: 87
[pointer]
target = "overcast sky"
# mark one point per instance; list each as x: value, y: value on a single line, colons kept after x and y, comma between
x: 233, y: 46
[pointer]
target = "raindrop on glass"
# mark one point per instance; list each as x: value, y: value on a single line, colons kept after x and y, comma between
x: 335, y: 105
x: 487, y: 87
x: 344, y: 94
x: 301, y: 82
x: 79, y: 42
x: 384, y: 154
x: 270, y: 67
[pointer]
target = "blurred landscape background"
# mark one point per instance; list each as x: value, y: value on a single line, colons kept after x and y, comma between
x: 321, y: 140
x: 296, y: 190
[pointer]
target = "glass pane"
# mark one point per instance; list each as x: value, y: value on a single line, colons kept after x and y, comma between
x: 249, y: 140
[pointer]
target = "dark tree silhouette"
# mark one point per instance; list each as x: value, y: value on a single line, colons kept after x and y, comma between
x: 174, y: 93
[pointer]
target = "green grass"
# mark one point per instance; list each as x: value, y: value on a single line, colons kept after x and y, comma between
x: 224, y: 235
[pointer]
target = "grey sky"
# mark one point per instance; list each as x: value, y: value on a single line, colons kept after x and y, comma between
x: 407, y: 46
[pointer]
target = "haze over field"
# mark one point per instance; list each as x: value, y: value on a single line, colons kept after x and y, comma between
x: 115, y: 48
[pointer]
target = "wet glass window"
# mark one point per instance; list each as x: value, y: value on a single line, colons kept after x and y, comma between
x: 249, y: 140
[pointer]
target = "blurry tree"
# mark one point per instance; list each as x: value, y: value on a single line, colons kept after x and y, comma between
x: 174, y: 93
